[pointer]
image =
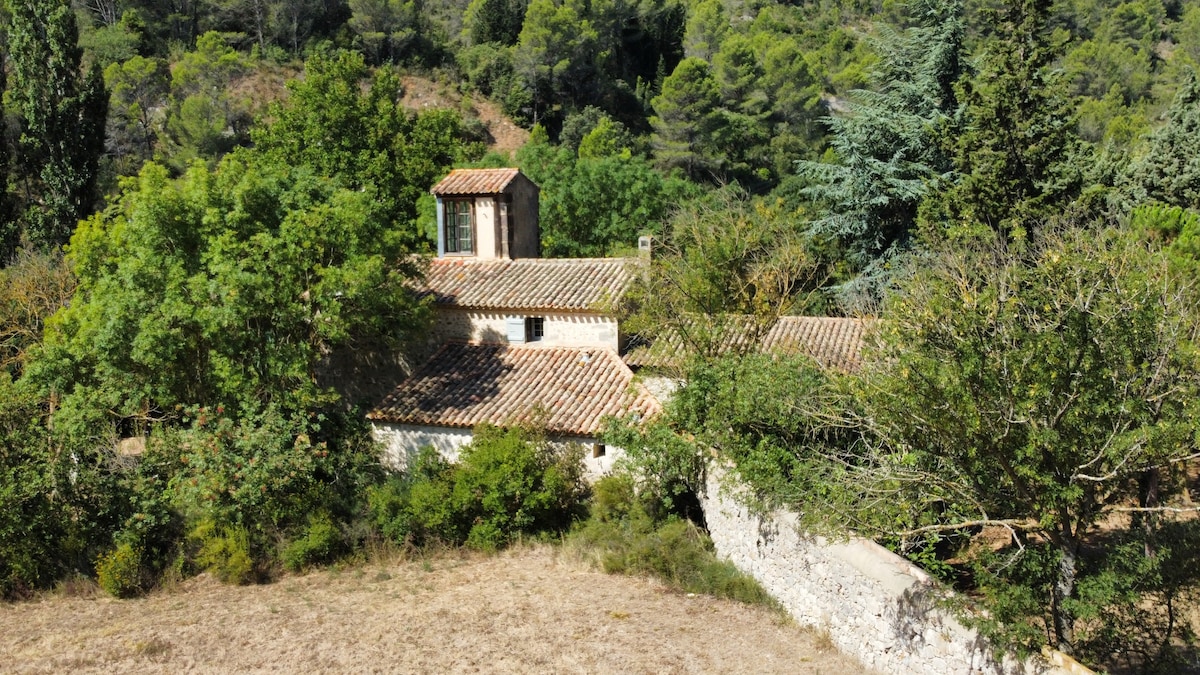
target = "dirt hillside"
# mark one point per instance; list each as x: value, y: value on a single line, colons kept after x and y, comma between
x: 420, y: 93
x: 527, y: 611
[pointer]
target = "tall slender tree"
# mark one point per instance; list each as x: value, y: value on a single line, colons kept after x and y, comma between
x: 10, y: 230
x: 1016, y: 148
x: 62, y: 114
x: 886, y: 143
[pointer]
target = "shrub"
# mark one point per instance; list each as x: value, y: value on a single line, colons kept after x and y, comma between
x: 508, y: 483
x: 120, y: 572
x: 321, y: 542
x: 624, y: 538
x: 224, y: 551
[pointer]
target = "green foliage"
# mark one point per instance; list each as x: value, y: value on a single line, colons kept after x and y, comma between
x: 725, y: 270
x: 1043, y: 382
x: 886, y: 147
x: 264, y: 472
x: 1040, y: 388
x: 1016, y: 153
x: 321, y: 542
x: 592, y: 206
x: 1168, y: 169
x: 497, y: 21
x: 224, y: 287
x: 506, y: 484
x: 224, y: 551
x: 120, y: 573
x: 686, y: 117
x: 137, y: 88
x: 33, y: 526
x: 62, y: 115
x: 204, y: 119
x: 362, y: 140
x: 391, y: 30
x: 626, y: 539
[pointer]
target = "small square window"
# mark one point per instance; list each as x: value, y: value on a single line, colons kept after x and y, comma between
x: 535, y: 328
x: 598, y: 450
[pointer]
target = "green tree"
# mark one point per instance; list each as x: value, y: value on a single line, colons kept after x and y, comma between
x: 225, y: 287
x: 707, y: 27
x: 725, y: 269
x: 390, y: 29
x: 592, y: 206
x: 204, y: 120
x: 362, y: 140
x: 495, y: 21
x: 1168, y: 168
x: 1048, y: 388
x: 557, y: 55
x: 1015, y: 149
x: 886, y: 145
x: 62, y: 114
x: 139, y: 86
x: 686, y: 120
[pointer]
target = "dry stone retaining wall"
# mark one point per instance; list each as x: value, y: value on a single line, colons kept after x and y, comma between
x: 874, y: 604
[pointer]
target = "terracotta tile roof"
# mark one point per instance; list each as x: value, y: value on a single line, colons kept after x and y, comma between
x: 464, y: 385
x: 528, y: 283
x: 475, y: 182
x: 832, y: 342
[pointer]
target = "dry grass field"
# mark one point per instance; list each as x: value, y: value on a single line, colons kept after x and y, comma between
x: 533, y: 610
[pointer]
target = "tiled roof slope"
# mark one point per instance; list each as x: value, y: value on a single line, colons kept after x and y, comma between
x: 475, y: 182
x: 464, y: 385
x: 527, y: 283
x: 832, y: 342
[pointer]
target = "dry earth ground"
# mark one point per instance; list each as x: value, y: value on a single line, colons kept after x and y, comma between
x: 531, y: 610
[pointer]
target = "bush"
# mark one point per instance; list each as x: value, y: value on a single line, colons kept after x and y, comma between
x: 625, y: 538
x: 266, y: 476
x: 322, y: 541
x: 508, y: 483
x: 120, y: 572
x: 224, y: 551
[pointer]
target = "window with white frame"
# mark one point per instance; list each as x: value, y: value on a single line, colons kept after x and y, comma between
x: 535, y: 328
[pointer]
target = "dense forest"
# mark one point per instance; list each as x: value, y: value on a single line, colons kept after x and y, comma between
x: 208, y: 204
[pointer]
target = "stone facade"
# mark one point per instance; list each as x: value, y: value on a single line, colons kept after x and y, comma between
x: 562, y: 329
x: 875, y: 605
x: 401, y: 442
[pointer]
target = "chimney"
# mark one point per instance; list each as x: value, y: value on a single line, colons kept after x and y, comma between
x: 646, y: 247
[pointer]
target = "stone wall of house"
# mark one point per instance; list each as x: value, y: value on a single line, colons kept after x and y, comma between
x: 402, y: 442
x: 874, y: 604
x: 567, y: 329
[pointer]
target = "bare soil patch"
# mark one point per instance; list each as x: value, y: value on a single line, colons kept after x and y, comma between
x: 421, y: 93
x: 530, y: 610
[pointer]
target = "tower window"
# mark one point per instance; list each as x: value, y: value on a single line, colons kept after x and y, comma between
x: 459, y: 227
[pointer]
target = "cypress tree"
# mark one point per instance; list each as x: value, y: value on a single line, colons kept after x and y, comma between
x: 1016, y: 149
x: 62, y: 116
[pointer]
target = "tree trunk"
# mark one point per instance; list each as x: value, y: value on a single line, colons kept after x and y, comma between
x: 1064, y: 589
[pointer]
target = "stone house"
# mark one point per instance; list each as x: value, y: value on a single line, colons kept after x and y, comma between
x: 516, y: 336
